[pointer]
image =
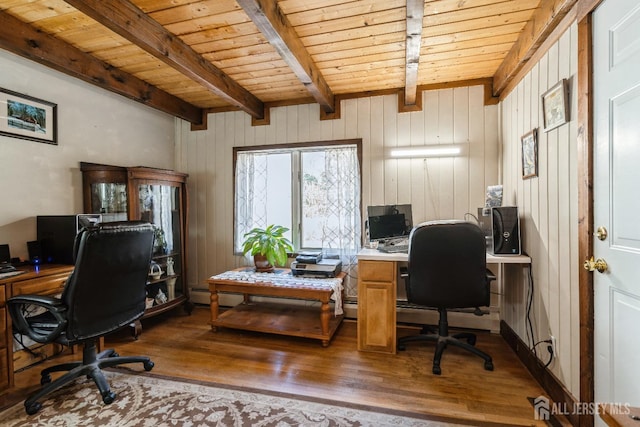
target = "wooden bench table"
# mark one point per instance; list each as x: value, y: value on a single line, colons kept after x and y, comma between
x: 277, y: 318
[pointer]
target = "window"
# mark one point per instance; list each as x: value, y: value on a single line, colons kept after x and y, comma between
x: 313, y: 189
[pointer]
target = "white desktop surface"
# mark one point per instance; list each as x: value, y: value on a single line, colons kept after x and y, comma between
x: 376, y: 255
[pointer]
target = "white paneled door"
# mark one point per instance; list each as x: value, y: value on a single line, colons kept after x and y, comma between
x: 617, y: 202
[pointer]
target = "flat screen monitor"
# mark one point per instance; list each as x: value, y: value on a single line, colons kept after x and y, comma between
x: 5, y: 255
x: 389, y: 221
x: 57, y: 233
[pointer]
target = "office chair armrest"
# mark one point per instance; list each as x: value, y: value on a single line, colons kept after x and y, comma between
x: 490, y: 275
x: 39, y: 332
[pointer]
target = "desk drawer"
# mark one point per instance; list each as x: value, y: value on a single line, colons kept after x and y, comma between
x: 376, y: 271
x: 49, y: 285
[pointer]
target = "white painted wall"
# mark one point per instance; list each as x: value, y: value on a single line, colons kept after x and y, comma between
x: 93, y: 126
x: 548, y: 209
x: 437, y: 188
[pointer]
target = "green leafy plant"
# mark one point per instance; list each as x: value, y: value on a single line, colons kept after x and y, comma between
x: 269, y: 242
x: 159, y: 242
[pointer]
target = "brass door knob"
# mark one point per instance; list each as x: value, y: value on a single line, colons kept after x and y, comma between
x: 601, y: 233
x: 599, y: 264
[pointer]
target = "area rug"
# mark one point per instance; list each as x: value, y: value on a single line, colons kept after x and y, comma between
x: 149, y: 401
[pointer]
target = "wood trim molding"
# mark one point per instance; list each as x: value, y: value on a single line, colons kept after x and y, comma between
x: 551, y: 385
x: 489, y: 99
x: 544, y: 20
x: 403, y: 107
x: 585, y: 210
x: 585, y: 7
x: 555, y: 35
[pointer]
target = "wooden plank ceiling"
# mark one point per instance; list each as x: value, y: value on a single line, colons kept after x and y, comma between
x: 188, y: 57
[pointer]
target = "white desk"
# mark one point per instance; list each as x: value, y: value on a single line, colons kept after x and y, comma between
x: 377, y: 293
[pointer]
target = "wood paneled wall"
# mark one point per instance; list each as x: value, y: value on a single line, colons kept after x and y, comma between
x: 437, y: 188
x: 548, y: 210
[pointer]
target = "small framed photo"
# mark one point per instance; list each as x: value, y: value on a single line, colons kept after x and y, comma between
x: 555, y: 106
x: 26, y: 117
x: 530, y: 154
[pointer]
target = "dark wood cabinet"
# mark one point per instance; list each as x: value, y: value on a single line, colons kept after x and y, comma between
x: 48, y: 279
x: 158, y: 196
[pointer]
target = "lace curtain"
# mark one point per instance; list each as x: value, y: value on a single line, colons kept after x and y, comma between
x: 341, y: 228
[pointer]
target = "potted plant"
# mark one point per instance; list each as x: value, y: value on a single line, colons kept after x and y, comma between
x: 159, y: 242
x: 268, y: 246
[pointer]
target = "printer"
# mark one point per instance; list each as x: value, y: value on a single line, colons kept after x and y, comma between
x: 322, y: 268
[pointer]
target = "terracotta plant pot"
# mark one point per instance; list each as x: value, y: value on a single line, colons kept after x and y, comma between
x: 262, y: 265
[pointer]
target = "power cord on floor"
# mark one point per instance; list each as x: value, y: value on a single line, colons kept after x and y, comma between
x: 549, y: 349
x: 529, y: 324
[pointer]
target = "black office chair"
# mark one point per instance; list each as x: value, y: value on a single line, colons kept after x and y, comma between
x: 105, y: 292
x: 447, y: 270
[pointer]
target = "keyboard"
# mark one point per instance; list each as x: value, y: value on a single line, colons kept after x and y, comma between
x: 10, y: 274
x: 394, y: 249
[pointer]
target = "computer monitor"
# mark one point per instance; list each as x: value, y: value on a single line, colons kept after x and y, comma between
x: 389, y: 221
x: 56, y: 235
x: 5, y: 254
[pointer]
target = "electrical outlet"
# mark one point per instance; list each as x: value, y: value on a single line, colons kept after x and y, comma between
x: 554, y: 347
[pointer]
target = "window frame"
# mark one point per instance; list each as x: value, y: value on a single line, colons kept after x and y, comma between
x: 299, y: 146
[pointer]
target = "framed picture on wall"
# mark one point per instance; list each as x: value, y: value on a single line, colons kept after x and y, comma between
x: 555, y: 106
x: 26, y: 117
x: 530, y: 154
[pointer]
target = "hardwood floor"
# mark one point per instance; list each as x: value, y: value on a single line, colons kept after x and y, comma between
x: 184, y: 346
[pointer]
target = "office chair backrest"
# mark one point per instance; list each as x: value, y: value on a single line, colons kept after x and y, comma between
x: 107, y: 287
x: 447, y: 265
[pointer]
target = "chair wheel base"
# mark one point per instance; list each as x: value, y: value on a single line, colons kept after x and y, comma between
x: 436, y: 370
x: 148, y: 365
x: 32, y: 408
x: 109, y: 397
x: 488, y: 366
x: 45, y: 379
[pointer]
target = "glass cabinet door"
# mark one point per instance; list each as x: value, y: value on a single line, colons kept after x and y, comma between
x: 110, y: 200
x: 160, y: 205
x: 105, y: 191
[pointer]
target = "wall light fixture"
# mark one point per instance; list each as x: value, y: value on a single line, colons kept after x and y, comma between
x: 450, y: 150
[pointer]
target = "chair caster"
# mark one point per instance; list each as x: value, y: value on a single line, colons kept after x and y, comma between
x: 436, y: 370
x: 114, y: 354
x: 32, y: 408
x: 45, y: 379
x: 148, y: 365
x: 108, y: 397
x: 471, y: 340
x: 488, y: 365
x: 401, y: 347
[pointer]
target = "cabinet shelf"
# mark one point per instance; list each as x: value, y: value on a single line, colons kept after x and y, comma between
x: 161, y: 279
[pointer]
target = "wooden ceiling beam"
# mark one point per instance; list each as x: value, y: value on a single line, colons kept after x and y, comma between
x: 24, y: 40
x: 274, y: 25
x: 544, y: 20
x: 130, y: 22
x: 415, y: 15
